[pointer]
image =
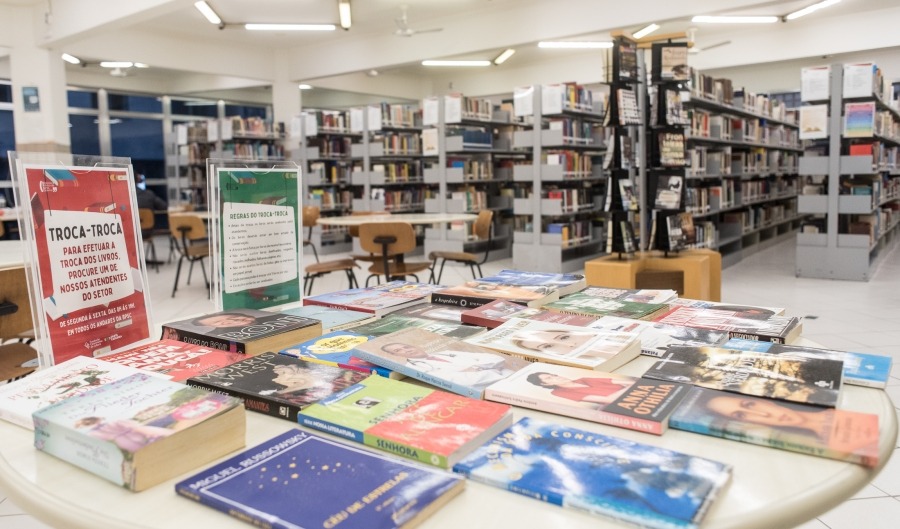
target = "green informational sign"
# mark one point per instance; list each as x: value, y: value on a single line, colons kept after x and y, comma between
x: 259, y: 241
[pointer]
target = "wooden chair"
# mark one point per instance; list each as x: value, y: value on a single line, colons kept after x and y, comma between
x: 354, y: 233
x: 309, y: 217
x: 484, y: 233
x: 390, y: 241
x: 17, y: 359
x: 189, y: 233
x: 148, y: 223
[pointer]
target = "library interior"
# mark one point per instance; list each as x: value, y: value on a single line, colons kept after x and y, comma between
x: 742, y: 155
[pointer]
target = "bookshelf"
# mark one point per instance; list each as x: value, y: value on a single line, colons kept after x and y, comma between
x: 851, y: 177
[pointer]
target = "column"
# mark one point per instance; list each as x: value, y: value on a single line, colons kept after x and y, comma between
x: 285, y: 101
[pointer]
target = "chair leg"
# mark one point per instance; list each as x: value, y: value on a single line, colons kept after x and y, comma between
x: 177, y: 275
x: 472, y: 269
x: 308, y: 283
x: 190, y: 272
x: 203, y: 269
x: 480, y: 273
x: 441, y: 272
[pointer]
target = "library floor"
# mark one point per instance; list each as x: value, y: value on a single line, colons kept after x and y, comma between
x: 861, y: 316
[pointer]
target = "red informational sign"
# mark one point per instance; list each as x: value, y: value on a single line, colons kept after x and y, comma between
x: 86, y: 244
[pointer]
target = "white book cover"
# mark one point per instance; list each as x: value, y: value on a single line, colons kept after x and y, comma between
x: 813, y: 122
x: 815, y: 83
x: 656, y: 338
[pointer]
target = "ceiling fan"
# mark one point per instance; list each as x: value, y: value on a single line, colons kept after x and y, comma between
x: 403, y: 27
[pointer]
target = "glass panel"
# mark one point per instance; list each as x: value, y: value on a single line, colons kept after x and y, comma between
x: 83, y: 134
x: 142, y: 141
x: 82, y: 99
x: 135, y: 103
x: 245, y: 111
x: 5, y: 93
x: 195, y: 108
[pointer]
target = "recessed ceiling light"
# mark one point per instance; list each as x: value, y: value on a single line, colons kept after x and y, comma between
x: 289, y: 27
x: 735, y: 19
x: 575, y: 44
x: 208, y: 12
x: 116, y: 64
x: 304, y: 86
x: 504, y: 56
x: 810, y: 9
x: 71, y: 59
x: 646, y: 30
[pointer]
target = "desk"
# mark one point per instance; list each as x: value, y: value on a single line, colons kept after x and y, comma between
x: 411, y: 218
x: 770, y: 488
x: 702, y: 271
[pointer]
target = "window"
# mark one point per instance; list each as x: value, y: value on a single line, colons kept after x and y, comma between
x: 142, y: 141
x: 84, y: 135
x: 135, y: 103
x: 82, y: 99
x: 195, y: 107
x: 245, y: 111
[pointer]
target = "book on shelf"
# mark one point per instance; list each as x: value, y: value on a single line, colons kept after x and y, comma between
x: 247, y: 331
x: 668, y: 192
x: 393, y: 322
x: 860, y: 369
x: 299, y: 479
x: 738, y: 323
x: 475, y: 293
x: 639, y: 295
x: 442, y: 361
x: 423, y: 424
x: 633, y: 403
x: 498, y: 311
x: 378, y: 300
x: 629, y: 243
x: 336, y: 349
x: 859, y: 120
x: 332, y: 319
x: 671, y: 149
x: 277, y: 385
x: 608, y: 476
x: 681, y: 230
x: 673, y: 62
x: 541, y: 341
x: 629, y: 113
x: 813, y: 122
x: 588, y: 305
x: 629, y: 198
x: 823, y: 432
x: 140, y: 430
x: 177, y: 360
x: 656, y: 338
x: 785, y: 376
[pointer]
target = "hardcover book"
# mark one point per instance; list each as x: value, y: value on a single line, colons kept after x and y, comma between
x: 427, y: 425
x: 140, y: 430
x: 656, y: 338
x: 778, y: 329
x: 475, y: 294
x: 332, y: 319
x: 539, y: 341
x: 336, y: 349
x: 776, y: 376
x: 443, y: 361
x: 619, y: 479
x: 378, y: 300
x: 824, y: 432
x: 498, y: 311
x: 617, y: 400
x: 393, y: 323
x: 588, y: 305
x: 247, y: 331
x: 298, y: 479
x: 177, y: 360
x: 277, y: 385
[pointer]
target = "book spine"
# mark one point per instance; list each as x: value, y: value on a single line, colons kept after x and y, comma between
x: 96, y: 456
x: 755, y: 337
x: 330, y: 427
x: 282, y: 410
x: 202, y: 340
x: 25, y: 421
x: 458, y: 301
x: 480, y: 321
x: 308, y: 301
x: 404, y: 369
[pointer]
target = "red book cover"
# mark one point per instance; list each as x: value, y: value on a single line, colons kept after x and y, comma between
x: 177, y: 359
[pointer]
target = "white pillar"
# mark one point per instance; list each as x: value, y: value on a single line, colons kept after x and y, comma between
x: 285, y: 100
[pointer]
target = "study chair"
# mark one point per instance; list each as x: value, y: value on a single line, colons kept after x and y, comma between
x: 189, y: 233
x: 148, y: 224
x: 354, y: 234
x: 390, y: 241
x: 309, y: 217
x: 18, y: 358
x: 484, y: 234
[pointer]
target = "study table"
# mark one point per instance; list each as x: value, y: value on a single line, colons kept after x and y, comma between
x: 770, y: 488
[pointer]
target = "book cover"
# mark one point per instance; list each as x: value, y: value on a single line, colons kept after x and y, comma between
x: 747, y: 325
x: 747, y: 311
x: 475, y: 294
x: 427, y: 425
x: 860, y: 369
x: 140, y: 430
x: 607, y: 476
x: 177, y: 360
x: 674, y: 63
x: 776, y: 376
x: 498, y: 311
x: 638, y: 295
x: 859, y: 120
x: 813, y: 122
x: 629, y: 198
x: 656, y: 338
x: 247, y: 331
x: 332, y: 319
x: 378, y: 300
x: 277, y: 385
x: 19, y: 399
x: 298, y: 479
x: 336, y: 349
x: 539, y: 341
x: 432, y: 311
x: 668, y: 192
x: 564, y: 283
x: 588, y: 305
x: 442, y: 361
x: 681, y: 230
x: 823, y: 432
x: 617, y: 400
x: 392, y: 323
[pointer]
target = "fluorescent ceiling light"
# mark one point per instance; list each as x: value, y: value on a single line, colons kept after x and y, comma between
x: 116, y: 64
x: 289, y: 27
x: 456, y: 63
x: 141, y: 65
x: 344, y: 13
x: 208, y: 12
x: 646, y: 30
x: 503, y: 56
x: 71, y: 59
x: 735, y: 19
x: 304, y: 86
x: 809, y: 9
x: 572, y: 44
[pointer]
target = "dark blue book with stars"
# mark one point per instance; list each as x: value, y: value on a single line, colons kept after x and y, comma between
x: 298, y: 479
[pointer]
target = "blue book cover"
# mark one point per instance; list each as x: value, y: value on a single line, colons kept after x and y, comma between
x: 623, y: 480
x: 860, y: 369
x: 336, y: 349
x: 297, y: 479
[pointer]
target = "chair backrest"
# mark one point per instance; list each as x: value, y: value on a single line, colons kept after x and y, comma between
x: 181, y: 208
x: 402, y: 231
x: 192, y: 227
x: 14, y: 289
x: 483, y: 224
x: 310, y: 215
x: 147, y: 218
x: 354, y: 230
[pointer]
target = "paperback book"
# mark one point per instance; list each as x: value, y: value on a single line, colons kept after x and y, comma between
x: 332, y: 319
x: 247, y: 331
x: 681, y: 230
x: 638, y: 295
x: 668, y: 192
x: 432, y: 311
x: 539, y: 341
x: 427, y: 425
x: 336, y: 349
x: 619, y: 479
x: 747, y: 311
x: 824, y: 432
x: 760, y: 327
x: 617, y: 400
x: 475, y: 294
x: 498, y: 311
x: 859, y: 120
x: 565, y: 284
x: 776, y: 376
x: 299, y: 479
x: 656, y: 338
x: 588, y: 305
x: 393, y: 323
x: 177, y: 360
x: 140, y: 430
x: 277, y: 385
x: 442, y: 361
x: 378, y: 300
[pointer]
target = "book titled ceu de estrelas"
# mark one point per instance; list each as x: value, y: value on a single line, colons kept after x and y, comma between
x: 247, y: 331
x: 608, y: 476
x: 426, y: 425
x: 298, y: 479
x: 177, y: 360
x: 141, y: 430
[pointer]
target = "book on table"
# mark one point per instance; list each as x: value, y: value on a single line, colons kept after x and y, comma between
x: 247, y: 331
x: 633, y: 403
x: 656, y: 338
x: 588, y: 305
x: 177, y: 360
x: 140, y: 430
x: 637, y: 295
x: 565, y: 284
x: 555, y: 343
x: 432, y: 311
x: 475, y: 294
x: 750, y: 326
x: 749, y: 311
x: 611, y: 477
x: 277, y: 385
x: 427, y: 425
x: 336, y: 349
x: 298, y: 479
x: 378, y: 300
x: 393, y: 322
x: 824, y: 432
x: 498, y: 311
x: 795, y: 378
x: 332, y: 319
